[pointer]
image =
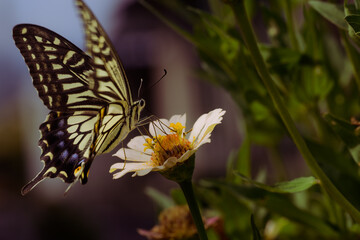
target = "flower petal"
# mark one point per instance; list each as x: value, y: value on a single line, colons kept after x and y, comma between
x: 132, y: 155
x: 116, y: 166
x: 129, y: 167
x: 186, y: 155
x: 143, y: 172
x: 203, y: 127
x: 137, y: 143
x: 178, y: 119
x: 170, y: 162
x: 159, y: 127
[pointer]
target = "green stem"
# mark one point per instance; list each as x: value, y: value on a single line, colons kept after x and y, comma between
x: 187, y: 188
x: 291, y: 25
x: 250, y: 40
x: 353, y: 57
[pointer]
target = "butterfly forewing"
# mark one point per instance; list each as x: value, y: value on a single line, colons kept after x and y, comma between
x: 59, y: 69
x: 110, y: 78
x: 111, y: 81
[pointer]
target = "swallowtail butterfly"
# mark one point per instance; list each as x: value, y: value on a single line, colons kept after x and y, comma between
x: 88, y: 95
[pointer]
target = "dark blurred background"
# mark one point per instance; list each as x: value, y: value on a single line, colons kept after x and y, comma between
x: 103, y: 208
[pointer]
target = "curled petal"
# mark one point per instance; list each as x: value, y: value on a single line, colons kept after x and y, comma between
x: 116, y: 166
x: 145, y: 171
x: 142, y: 172
x: 128, y: 167
x: 170, y: 162
x: 186, y: 155
x: 203, y: 127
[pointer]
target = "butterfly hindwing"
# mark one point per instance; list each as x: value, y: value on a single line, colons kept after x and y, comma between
x: 65, y: 140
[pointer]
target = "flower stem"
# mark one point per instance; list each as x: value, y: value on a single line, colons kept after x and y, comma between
x: 250, y: 41
x: 187, y: 188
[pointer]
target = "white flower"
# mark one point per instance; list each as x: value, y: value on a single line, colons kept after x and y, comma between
x: 167, y: 146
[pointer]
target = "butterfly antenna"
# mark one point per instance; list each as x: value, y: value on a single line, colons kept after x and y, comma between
x: 165, y: 73
x: 139, y: 90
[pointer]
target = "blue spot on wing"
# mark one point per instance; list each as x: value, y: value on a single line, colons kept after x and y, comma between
x: 59, y: 134
x: 61, y: 123
x: 61, y: 144
x: 74, y: 157
x: 64, y: 155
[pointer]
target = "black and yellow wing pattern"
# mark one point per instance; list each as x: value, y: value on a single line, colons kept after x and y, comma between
x: 88, y: 95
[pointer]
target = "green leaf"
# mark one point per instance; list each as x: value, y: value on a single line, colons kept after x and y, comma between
x: 348, y: 132
x: 354, y: 21
x: 229, y: 46
x: 159, y: 198
x: 285, y: 60
x: 276, y: 203
x: 236, y: 223
x: 354, y: 30
x: 354, y: 58
x: 256, y: 233
x: 243, y: 164
x: 332, y: 12
x: 297, y: 185
x: 178, y: 196
x: 293, y: 186
x: 338, y: 165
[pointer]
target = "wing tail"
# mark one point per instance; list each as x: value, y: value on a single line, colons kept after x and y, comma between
x: 30, y: 185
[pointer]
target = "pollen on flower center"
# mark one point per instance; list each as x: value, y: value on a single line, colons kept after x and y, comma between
x: 166, y: 146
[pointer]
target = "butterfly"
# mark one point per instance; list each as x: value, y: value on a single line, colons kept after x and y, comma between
x: 88, y: 95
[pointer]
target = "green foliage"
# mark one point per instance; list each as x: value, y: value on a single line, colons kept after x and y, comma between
x: 160, y: 199
x: 311, y: 53
x: 256, y: 233
x: 293, y: 186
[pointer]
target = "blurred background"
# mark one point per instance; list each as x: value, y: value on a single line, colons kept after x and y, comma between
x: 103, y: 208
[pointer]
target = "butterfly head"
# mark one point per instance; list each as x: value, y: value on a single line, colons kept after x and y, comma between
x: 138, y: 106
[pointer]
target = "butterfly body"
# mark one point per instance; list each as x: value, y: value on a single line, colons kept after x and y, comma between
x: 88, y: 95
x: 116, y: 121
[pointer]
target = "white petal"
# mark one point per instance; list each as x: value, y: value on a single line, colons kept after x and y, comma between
x: 130, y: 167
x: 159, y: 127
x: 206, y: 139
x: 203, y: 127
x: 186, y: 155
x: 116, y: 166
x: 143, y: 172
x: 120, y: 174
x: 137, y: 143
x: 170, y: 162
x: 132, y: 155
x: 178, y: 119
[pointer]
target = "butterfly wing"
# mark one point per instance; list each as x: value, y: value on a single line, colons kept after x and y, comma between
x: 109, y: 74
x: 65, y: 144
x: 60, y: 73
x: 89, y: 98
x: 59, y: 69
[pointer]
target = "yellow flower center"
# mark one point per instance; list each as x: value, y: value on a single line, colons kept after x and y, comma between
x: 165, y: 146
